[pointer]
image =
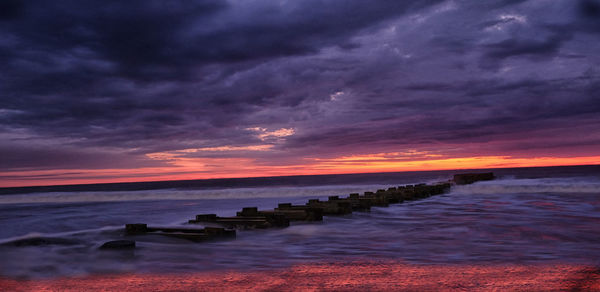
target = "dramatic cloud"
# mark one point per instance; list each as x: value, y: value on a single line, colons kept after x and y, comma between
x: 184, y: 86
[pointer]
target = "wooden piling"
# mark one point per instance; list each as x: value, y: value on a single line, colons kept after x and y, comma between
x: 469, y: 178
x: 313, y: 210
x: 206, y: 233
x: 312, y: 213
x: 242, y: 222
x: 331, y: 207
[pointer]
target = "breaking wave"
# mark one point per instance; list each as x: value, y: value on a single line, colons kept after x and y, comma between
x: 176, y: 194
x: 545, y: 185
x: 57, y: 236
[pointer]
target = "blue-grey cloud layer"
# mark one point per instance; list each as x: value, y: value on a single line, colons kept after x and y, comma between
x: 100, y: 83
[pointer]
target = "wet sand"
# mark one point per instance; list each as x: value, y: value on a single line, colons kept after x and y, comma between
x: 358, y: 276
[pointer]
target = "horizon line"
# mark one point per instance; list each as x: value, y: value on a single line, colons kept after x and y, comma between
x: 277, y: 176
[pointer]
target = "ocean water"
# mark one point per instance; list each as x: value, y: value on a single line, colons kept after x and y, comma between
x: 526, y: 216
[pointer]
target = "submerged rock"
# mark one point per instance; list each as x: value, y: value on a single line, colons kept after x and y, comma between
x: 119, y: 244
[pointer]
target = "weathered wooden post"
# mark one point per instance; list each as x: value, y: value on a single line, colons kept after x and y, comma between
x: 137, y: 228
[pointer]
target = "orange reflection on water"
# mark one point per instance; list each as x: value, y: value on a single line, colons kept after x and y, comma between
x: 349, y: 276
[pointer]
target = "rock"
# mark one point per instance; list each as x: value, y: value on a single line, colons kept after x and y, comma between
x: 118, y: 244
x: 469, y: 178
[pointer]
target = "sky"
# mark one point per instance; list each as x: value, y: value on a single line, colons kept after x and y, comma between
x: 114, y: 91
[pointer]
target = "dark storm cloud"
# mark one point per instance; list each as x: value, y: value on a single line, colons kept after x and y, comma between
x: 547, y: 36
x: 589, y: 8
x: 45, y: 157
x: 347, y: 76
x: 522, y: 105
x: 164, y: 39
x: 10, y: 9
x: 536, y: 49
x: 81, y: 69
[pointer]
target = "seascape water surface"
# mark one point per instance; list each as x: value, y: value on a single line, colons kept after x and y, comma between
x: 526, y: 216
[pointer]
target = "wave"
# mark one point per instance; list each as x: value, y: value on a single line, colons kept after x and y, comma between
x: 176, y: 194
x: 56, y: 237
x: 505, y: 184
x: 545, y: 185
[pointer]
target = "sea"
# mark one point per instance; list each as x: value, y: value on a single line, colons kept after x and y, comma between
x: 544, y: 215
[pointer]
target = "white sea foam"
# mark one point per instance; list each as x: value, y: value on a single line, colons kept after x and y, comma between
x: 59, y: 234
x: 542, y: 185
x: 176, y: 194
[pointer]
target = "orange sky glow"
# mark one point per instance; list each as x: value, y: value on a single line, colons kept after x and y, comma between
x: 180, y: 167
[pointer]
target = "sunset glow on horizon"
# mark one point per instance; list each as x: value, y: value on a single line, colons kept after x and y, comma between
x: 143, y: 91
x: 200, y: 168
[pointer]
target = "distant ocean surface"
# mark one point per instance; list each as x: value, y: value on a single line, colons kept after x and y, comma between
x: 526, y: 216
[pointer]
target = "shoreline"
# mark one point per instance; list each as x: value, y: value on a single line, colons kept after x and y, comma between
x: 338, y: 276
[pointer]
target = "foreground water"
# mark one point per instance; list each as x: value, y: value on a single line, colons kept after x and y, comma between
x: 527, y: 216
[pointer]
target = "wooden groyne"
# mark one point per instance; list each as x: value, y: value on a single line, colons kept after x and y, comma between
x: 280, y: 217
x: 469, y: 178
x: 203, y: 234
